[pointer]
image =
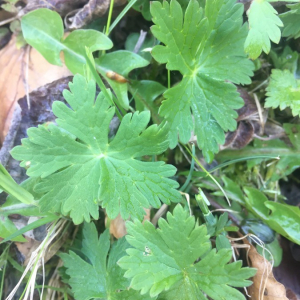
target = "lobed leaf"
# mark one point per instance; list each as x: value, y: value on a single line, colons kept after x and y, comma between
x: 99, y: 276
x: 207, y: 49
x: 163, y: 261
x: 263, y: 27
x: 291, y: 21
x: 283, y: 91
x: 81, y: 168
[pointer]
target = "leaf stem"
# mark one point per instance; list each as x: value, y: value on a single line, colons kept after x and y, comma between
x: 3, y: 271
x: 109, y: 16
x: 121, y: 15
x: 169, y: 79
x: 189, y: 177
x: 102, y: 85
x: 207, y: 173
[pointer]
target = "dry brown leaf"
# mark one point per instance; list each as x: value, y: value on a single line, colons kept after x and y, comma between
x: 265, y: 286
x: 117, y: 226
x: 27, y: 248
x: 22, y: 70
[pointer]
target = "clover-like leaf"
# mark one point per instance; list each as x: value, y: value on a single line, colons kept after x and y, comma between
x: 207, y: 49
x: 99, y: 276
x: 283, y: 91
x: 163, y: 261
x: 81, y: 168
x: 263, y: 28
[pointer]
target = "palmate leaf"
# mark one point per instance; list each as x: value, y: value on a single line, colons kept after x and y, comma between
x: 81, y: 168
x: 163, y: 261
x: 263, y: 26
x: 283, y: 91
x: 100, y: 277
x: 207, y: 49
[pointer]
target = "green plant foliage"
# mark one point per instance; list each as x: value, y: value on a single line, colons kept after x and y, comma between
x: 98, y: 276
x: 163, y: 261
x: 43, y: 29
x: 289, y: 157
x: 132, y: 41
x: 8, y: 185
x: 283, y: 218
x: 7, y: 228
x: 207, y: 49
x: 274, y: 249
x: 78, y: 174
x: 291, y: 21
x: 287, y: 60
x: 47, y: 38
x: 283, y: 91
x: 143, y: 6
x: 120, y: 62
x: 263, y: 26
x: 144, y: 93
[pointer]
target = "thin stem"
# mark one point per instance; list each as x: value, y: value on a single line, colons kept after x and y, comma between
x: 101, y: 85
x: 121, y: 15
x: 109, y: 16
x: 9, y: 20
x: 52, y: 228
x: 169, y: 79
x: 207, y: 173
x: 189, y: 177
x: 3, y: 273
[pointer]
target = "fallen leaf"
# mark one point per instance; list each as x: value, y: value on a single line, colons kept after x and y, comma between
x: 265, y: 286
x: 22, y: 70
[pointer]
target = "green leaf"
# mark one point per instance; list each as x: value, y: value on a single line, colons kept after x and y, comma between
x: 143, y: 6
x: 8, y: 185
x: 102, y: 277
x: 132, y: 41
x: 286, y: 60
x: 80, y: 168
x: 275, y: 250
x: 283, y: 218
x: 163, y: 261
x: 207, y: 49
x: 120, y: 62
x: 7, y: 228
x: 291, y: 21
x: 283, y: 91
x: 40, y: 222
x: 144, y: 93
x: 289, y: 157
x: 263, y: 26
x: 43, y: 29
